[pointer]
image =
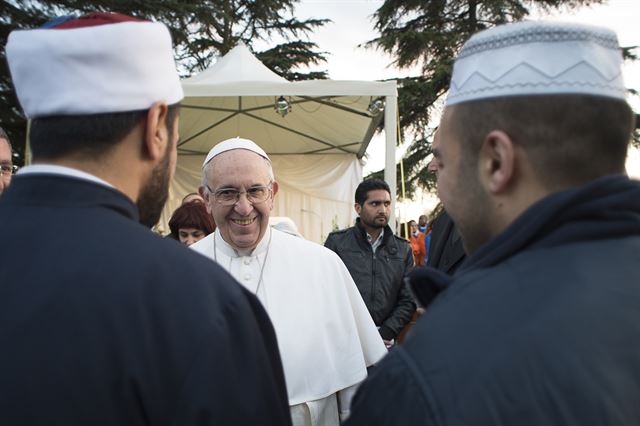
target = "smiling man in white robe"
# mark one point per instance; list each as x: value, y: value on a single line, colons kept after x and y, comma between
x: 325, y: 334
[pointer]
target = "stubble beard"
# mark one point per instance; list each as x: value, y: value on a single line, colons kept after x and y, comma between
x: 155, y: 192
x: 375, y: 224
x: 472, y: 219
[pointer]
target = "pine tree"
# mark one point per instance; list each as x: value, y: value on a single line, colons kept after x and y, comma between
x: 201, y: 31
x: 428, y: 34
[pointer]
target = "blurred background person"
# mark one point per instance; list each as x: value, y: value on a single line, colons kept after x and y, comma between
x: 417, y: 242
x: 190, y: 223
x: 285, y: 224
x: 446, y: 252
x: 192, y: 196
x: 6, y: 162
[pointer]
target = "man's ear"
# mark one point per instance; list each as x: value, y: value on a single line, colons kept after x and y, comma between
x: 497, y: 160
x: 274, y: 191
x: 206, y: 197
x: 203, y: 193
x: 358, y: 208
x: 157, y: 134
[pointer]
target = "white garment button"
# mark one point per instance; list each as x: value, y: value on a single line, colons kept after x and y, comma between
x: 247, y: 261
x: 247, y: 277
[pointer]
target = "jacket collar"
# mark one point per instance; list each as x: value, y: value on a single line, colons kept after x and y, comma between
x: 605, y: 208
x: 608, y: 207
x: 65, y: 191
x: 387, y: 238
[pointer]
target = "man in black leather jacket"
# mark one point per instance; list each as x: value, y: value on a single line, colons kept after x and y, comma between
x: 377, y: 260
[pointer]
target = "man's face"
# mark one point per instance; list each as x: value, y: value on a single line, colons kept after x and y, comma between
x: 6, y: 161
x: 243, y: 224
x: 376, y: 209
x: 155, y: 192
x: 459, y: 187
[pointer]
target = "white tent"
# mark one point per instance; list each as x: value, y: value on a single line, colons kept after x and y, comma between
x: 315, y: 148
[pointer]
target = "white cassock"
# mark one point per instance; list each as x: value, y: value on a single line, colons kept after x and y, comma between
x: 325, y: 333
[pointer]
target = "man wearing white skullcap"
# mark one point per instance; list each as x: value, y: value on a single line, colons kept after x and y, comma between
x: 538, y: 326
x: 326, y: 336
x: 103, y: 322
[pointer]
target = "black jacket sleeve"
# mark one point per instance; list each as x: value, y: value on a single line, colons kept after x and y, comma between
x: 236, y: 377
x: 405, y: 306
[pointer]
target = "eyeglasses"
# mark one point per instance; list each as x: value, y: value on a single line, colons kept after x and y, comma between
x: 7, y: 169
x: 230, y: 196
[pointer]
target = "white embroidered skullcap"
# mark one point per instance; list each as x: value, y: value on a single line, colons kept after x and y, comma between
x: 284, y: 224
x: 536, y: 58
x: 98, y: 63
x: 235, y: 143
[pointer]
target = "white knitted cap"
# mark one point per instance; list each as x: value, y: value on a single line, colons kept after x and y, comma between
x: 536, y: 58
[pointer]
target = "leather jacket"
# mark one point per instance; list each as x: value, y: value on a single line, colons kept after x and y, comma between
x: 379, y: 276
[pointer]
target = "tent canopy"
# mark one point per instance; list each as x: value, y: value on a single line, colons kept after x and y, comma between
x: 315, y: 148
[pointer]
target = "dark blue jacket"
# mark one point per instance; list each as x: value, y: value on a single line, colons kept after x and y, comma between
x: 541, y: 326
x: 104, y: 323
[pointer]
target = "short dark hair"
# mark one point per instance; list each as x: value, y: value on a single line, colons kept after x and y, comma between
x: 85, y: 135
x: 570, y: 139
x: 191, y: 215
x: 369, y: 185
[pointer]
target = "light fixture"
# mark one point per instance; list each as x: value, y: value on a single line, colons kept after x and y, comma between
x: 376, y: 106
x: 282, y: 106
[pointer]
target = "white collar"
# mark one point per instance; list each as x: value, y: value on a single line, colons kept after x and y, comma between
x: 226, y: 248
x: 63, y: 171
x: 375, y: 244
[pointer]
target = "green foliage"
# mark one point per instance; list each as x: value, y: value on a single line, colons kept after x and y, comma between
x: 428, y: 35
x: 201, y: 31
x: 285, y: 57
x: 214, y: 27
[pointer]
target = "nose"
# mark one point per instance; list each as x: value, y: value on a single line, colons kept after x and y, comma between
x: 243, y: 207
x: 432, y: 167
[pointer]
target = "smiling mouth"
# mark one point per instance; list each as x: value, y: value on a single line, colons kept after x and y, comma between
x: 243, y: 221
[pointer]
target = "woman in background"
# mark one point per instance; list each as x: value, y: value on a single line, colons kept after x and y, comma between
x: 190, y: 223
